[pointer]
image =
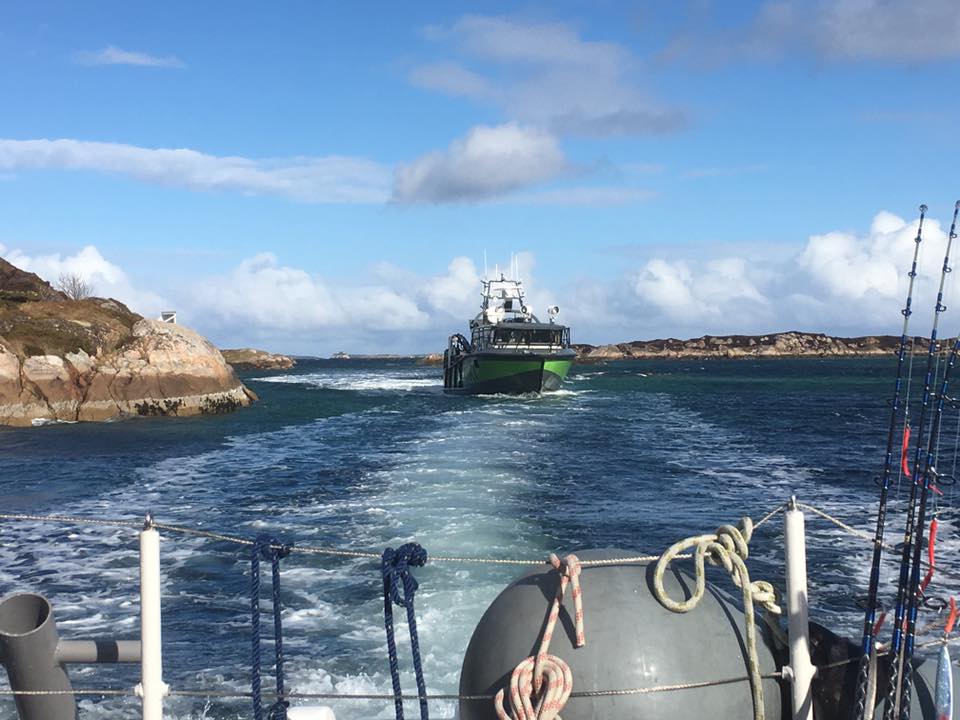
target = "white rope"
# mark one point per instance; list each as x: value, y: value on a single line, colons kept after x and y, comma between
x: 726, y: 548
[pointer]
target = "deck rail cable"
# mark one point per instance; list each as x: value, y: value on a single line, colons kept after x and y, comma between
x: 916, y: 505
x: 926, y: 479
x: 231, y: 693
x: 869, y: 622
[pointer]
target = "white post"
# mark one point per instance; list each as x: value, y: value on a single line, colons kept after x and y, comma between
x: 801, y: 670
x: 151, y: 688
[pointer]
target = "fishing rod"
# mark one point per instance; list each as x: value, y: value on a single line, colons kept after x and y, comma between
x: 871, y: 609
x: 900, y: 675
x: 928, y: 479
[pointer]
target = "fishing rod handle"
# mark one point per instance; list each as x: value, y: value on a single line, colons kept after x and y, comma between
x: 906, y: 690
x: 860, y: 699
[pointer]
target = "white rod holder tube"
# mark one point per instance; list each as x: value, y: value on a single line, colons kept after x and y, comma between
x: 151, y: 689
x: 801, y: 670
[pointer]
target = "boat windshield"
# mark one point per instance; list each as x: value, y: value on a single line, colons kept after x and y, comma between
x: 523, y: 336
x: 507, y: 335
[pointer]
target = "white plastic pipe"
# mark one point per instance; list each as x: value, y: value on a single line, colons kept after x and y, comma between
x: 152, y: 688
x: 801, y: 670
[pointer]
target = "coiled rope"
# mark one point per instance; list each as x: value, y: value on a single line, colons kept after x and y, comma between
x: 395, y: 566
x: 270, y: 549
x: 546, y: 677
x: 726, y: 548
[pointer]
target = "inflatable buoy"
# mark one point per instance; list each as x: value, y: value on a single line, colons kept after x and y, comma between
x: 632, y: 642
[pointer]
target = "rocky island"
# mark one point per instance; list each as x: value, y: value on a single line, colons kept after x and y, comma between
x: 250, y: 359
x: 94, y: 359
x: 784, y: 344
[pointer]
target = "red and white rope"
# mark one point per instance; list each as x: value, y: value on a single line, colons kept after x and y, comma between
x: 544, y: 676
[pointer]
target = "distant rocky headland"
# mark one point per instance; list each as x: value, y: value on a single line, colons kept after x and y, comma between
x: 784, y: 344
x: 250, y: 359
x: 93, y: 359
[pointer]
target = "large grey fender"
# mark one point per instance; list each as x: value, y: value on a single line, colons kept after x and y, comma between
x: 632, y: 642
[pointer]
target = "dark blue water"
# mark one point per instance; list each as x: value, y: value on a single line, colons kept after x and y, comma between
x: 363, y: 455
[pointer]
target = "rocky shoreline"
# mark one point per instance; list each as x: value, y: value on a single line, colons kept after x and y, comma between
x: 92, y: 359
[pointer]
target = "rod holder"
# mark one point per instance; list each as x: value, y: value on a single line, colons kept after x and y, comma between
x: 801, y: 669
x: 28, y: 649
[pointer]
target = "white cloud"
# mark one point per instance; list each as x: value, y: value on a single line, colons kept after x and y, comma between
x: 330, y: 179
x: 106, y: 278
x: 869, y: 272
x: 456, y: 292
x: 486, y: 163
x: 839, y: 282
x: 547, y: 74
x: 721, y: 288
x: 260, y: 293
x: 115, y: 56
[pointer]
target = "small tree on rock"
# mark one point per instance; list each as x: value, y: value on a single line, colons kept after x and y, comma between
x: 74, y: 286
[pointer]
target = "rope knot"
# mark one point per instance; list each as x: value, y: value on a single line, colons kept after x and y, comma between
x: 268, y: 547
x: 395, y: 566
x: 568, y: 567
x: 727, y: 548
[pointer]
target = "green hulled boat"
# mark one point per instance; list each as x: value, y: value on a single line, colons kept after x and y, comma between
x: 509, y: 351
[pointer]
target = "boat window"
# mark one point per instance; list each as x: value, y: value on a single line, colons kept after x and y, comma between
x: 523, y: 336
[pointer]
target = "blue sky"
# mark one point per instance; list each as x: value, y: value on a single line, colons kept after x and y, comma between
x: 323, y: 176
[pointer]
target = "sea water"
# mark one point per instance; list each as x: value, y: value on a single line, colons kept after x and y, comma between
x: 364, y: 455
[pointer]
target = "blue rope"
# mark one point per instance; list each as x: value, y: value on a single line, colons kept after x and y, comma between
x: 263, y: 547
x: 396, y: 570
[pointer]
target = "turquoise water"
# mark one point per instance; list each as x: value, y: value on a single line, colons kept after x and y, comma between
x: 363, y: 455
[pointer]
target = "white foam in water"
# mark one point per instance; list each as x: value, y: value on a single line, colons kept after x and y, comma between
x: 363, y: 380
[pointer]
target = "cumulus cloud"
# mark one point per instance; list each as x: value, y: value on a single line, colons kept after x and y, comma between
x: 106, y: 278
x: 486, y: 163
x: 722, y: 288
x: 547, y: 74
x: 115, y: 56
x: 840, y: 282
x: 455, y: 292
x: 913, y: 31
x: 261, y: 292
x: 329, y: 179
